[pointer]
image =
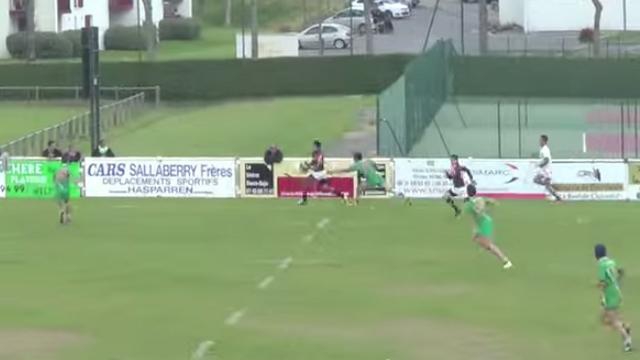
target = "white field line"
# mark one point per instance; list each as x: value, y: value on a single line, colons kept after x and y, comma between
x: 285, y: 263
x: 308, y: 238
x: 323, y: 223
x: 266, y: 282
x: 203, y: 349
x: 235, y: 317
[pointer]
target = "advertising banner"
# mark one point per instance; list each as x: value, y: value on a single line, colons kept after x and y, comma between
x: 292, y: 182
x: 590, y: 180
x: 3, y: 178
x: 426, y: 178
x: 633, y: 188
x: 35, y: 179
x: 256, y: 178
x: 160, y: 177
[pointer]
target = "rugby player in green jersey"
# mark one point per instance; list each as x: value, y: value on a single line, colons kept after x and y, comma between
x: 476, y: 206
x: 608, y: 282
x: 367, y: 170
x: 63, y: 189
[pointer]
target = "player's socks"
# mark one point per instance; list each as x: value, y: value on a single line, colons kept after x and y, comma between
x: 61, y: 217
x: 627, y: 344
x: 453, y: 205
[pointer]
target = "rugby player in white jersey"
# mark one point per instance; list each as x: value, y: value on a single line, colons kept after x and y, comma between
x: 544, y: 168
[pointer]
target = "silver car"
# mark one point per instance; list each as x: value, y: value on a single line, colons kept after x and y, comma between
x: 333, y: 35
x: 353, y: 18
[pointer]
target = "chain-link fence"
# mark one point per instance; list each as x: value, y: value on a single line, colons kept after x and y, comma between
x: 78, y: 127
x: 510, y: 128
x: 406, y: 108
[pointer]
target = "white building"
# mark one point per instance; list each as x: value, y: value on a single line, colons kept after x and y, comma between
x: 569, y: 15
x: 61, y: 15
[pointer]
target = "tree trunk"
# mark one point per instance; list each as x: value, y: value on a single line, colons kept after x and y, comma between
x: 227, y: 13
x: 254, y: 29
x: 596, y: 26
x: 483, y: 21
x: 31, y: 28
x: 367, y: 24
x: 151, y: 34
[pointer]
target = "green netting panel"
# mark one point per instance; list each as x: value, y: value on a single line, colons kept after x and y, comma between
x: 428, y: 81
x: 391, y: 120
x: 428, y: 84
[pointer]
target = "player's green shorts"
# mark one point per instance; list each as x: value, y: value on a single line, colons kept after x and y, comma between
x: 611, y: 302
x: 485, y: 228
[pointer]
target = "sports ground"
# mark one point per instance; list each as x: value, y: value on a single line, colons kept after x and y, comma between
x: 265, y: 279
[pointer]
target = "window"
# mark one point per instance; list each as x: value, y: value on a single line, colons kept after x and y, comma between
x: 358, y: 13
x: 312, y: 31
x: 79, y: 3
x: 342, y: 14
x: 329, y: 30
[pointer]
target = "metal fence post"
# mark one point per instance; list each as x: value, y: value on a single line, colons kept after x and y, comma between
x: 519, y: 131
x: 622, y: 130
x: 499, y: 130
x: 157, y: 96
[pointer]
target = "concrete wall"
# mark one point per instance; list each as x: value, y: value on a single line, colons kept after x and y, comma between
x: 130, y: 17
x: 5, y: 28
x: 568, y: 15
x: 511, y: 12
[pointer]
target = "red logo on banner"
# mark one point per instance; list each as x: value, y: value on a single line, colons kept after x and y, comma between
x: 294, y: 186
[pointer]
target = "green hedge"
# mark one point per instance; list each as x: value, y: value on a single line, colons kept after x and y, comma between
x: 547, y: 77
x: 179, y: 29
x: 220, y: 79
x: 125, y: 38
x: 75, y: 37
x: 49, y: 45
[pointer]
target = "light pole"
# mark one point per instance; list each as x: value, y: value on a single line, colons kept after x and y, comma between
x: 138, y: 23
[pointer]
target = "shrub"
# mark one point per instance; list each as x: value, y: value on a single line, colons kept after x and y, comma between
x: 179, y: 29
x: 586, y: 35
x: 125, y: 38
x: 49, y: 45
x: 75, y: 37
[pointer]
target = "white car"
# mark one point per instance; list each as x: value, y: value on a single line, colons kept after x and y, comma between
x: 333, y: 35
x: 389, y: 7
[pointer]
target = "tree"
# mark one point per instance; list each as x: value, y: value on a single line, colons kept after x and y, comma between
x: 484, y: 27
x: 151, y: 34
x: 30, y: 8
x: 227, y: 13
x: 596, y: 26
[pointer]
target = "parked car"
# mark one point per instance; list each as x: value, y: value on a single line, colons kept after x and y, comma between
x: 393, y: 9
x: 333, y: 35
x: 410, y: 3
x: 350, y: 18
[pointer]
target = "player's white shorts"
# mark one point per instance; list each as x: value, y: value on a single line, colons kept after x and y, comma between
x: 457, y: 192
x: 544, y: 173
x: 319, y: 175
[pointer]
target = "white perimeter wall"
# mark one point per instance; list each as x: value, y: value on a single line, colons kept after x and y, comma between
x: 130, y: 17
x: 5, y: 28
x: 568, y: 15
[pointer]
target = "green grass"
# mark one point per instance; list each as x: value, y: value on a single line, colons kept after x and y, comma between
x: 240, y: 128
x: 21, y: 118
x: 150, y: 279
x: 215, y: 43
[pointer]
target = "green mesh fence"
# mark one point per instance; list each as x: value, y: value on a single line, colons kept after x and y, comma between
x: 408, y: 106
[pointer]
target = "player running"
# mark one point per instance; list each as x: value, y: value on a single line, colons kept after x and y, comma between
x: 544, y: 168
x: 608, y: 282
x: 63, y: 188
x: 461, y: 177
x: 318, y: 177
x: 483, y: 233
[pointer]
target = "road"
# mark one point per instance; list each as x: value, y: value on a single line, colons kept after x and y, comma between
x: 410, y: 34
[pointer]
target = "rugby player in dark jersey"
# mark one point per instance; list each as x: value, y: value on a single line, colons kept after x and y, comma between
x: 318, y: 178
x: 460, y: 176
